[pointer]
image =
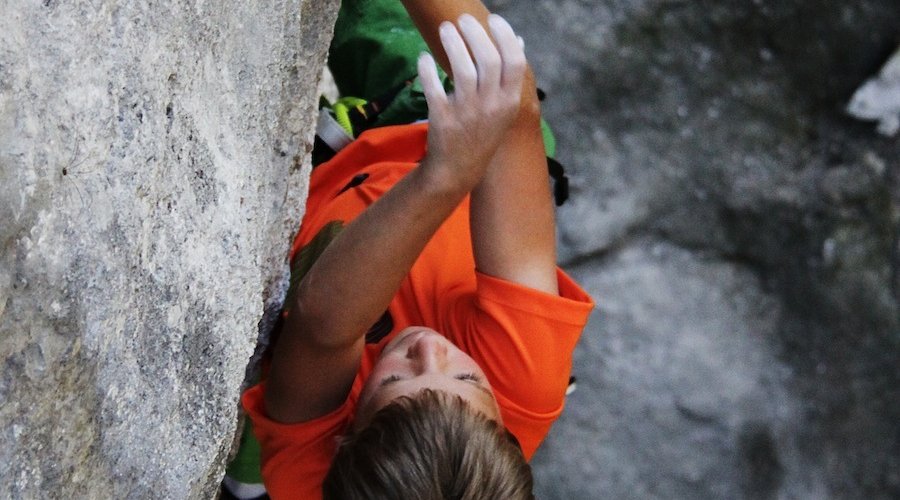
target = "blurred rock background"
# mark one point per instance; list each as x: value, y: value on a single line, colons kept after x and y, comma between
x: 740, y: 233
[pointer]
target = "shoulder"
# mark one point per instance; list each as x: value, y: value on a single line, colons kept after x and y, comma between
x: 295, y: 457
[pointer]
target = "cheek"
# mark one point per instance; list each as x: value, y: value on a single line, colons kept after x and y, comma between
x: 464, y: 362
x: 365, y: 396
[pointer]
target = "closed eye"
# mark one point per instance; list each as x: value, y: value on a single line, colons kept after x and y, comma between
x: 476, y: 381
x: 389, y: 380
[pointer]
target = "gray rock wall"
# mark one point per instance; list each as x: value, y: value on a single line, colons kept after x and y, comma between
x: 740, y: 234
x: 152, y: 171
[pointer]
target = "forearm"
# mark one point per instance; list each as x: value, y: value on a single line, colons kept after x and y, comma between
x: 512, y: 214
x: 429, y: 14
x: 513, y: 229
x: 354, y: 280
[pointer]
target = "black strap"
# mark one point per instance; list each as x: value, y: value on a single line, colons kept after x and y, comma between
x: 560, y: 181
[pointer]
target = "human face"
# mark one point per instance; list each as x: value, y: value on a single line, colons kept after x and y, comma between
x: 421, y: 358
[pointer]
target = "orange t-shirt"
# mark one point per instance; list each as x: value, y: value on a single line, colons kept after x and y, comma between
x: 522, y: 338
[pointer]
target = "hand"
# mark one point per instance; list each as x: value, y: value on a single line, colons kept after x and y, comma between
x: 466, y: 127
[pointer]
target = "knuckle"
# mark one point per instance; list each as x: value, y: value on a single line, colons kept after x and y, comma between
x: 466, y: 75
x: 530, y: 109
x: 516, y: 63
x: 492, y: 59
x: 502, y: 102
x: 510, y: 100
x: 453, y: 125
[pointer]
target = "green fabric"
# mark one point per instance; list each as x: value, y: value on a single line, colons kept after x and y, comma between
x: 246, y: 465
x: 307, y: 256
x: 549, y: 139
x: 375, y: 50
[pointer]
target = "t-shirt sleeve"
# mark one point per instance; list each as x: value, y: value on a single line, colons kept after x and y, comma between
x: 295, y: 457
x: 523, y: 339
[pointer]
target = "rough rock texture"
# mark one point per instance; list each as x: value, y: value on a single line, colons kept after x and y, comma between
x: 740, y: 233
x: 152, y: 170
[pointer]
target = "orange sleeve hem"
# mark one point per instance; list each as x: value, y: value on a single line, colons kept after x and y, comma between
x: 571, y: 306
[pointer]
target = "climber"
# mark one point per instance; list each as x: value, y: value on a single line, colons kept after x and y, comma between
x: 427, y: 339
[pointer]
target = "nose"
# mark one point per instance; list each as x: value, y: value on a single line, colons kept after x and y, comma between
x: 429, y: 353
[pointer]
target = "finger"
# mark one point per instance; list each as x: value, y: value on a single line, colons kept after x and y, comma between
x: 465, y: 78
x: 435, y: 95
x: 511, y: 51
x: 487, y: 58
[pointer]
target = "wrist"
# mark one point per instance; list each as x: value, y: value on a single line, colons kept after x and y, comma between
x: 442, y: 179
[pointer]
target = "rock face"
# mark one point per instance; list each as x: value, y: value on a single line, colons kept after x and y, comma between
x: 740, y: 234
x: 152, y: 172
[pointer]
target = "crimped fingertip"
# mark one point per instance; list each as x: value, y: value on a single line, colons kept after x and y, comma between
x: 497, y: 21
